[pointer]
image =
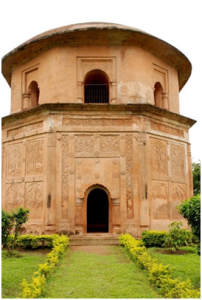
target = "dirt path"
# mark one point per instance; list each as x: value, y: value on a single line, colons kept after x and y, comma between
x: 101, y: 250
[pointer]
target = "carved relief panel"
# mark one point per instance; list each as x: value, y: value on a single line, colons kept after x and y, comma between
x: 159, y: 157
x: 34, y: 199
x: 65, y: 176
x: 34, y: 157
x: 129, y: 176
x: 178, y: 193
x: 109, y: 143
x: 14, y: 195
x: 84, y: 143
x: 177, y: 160
x: 14, y: 160
x: 160, y: 194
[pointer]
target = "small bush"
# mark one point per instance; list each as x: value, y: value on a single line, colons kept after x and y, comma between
x: 177, y: 237
x: 154, y: 238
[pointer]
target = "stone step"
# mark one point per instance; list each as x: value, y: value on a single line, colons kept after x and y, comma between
x: 93, y: 239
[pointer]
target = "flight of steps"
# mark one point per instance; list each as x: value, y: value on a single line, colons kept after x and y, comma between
x: 94, y: 239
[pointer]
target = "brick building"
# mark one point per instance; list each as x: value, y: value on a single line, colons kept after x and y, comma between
x: 95, y: 141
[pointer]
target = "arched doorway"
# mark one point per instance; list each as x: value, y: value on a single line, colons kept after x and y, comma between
x: 97, y: 211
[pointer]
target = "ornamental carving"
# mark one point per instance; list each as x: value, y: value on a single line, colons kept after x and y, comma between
x: 24, y: 129
x: 35, y: 157
x: 109, y: 143
x: 34, y: 195
x: 167, y: 129
x: 129, y: 175
x: 159, y: 191
x: 177, y: 160
x: 84, y: 143
x: 178, y: 193
x: 14, y: 160
x: 158, y: 157
x: 14, y: 196
x: 97, y: 122
x: 65, y: 176
x: 160, y: 209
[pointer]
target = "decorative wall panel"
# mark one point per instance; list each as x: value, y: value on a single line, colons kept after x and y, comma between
x: 84, y: 143
x: 34, y: 199
x: 14, y: 196
x: 160, y: 208
x: 109, y: 143
x: 129, y: 175
x: 34, y: 165
x: 65, y: 176
x: 177, y: 160
x: 158, y: 157
x: 14, y: 160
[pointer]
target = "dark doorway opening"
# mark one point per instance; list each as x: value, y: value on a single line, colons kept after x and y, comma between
x: 97, y: 211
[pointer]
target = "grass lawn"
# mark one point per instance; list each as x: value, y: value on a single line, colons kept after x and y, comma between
x: 15, y: 269
x: 90, y: 275
x: 186, y: 266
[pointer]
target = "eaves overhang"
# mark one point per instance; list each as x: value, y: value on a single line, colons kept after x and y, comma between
x: 96, y: 33
x: 100, y: 110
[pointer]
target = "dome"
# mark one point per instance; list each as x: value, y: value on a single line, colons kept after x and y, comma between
x: 96, y: 33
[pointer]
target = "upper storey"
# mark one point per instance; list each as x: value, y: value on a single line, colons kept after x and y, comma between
x: 95, y: 63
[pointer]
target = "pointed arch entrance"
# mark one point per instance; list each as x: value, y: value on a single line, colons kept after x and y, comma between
x: 97, y: 211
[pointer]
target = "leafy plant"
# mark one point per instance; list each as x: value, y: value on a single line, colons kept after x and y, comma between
x: 12, y: 221
x: 190, y: 209
x: 196, y: 169
x: 177, y: 237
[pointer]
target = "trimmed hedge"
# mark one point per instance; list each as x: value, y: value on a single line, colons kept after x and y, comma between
x: 35, y: 241
x: 36, y: 287
x: 159, y: 274
x: 154, y: 238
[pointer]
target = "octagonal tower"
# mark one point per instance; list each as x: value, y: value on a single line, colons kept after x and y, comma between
x: 95, y: 141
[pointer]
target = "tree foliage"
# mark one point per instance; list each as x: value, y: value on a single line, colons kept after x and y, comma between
x: 196, y: 169
x: 12, y: 222
x: 190, y: 209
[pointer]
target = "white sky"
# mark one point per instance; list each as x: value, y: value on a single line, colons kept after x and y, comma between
x: 178, y: 22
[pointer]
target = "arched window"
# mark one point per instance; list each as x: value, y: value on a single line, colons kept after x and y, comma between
x: 34, y: 93
x: 96, y: 87
x: 158, y: 95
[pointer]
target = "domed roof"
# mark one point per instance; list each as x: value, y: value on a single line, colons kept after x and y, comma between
x: 96, y: 33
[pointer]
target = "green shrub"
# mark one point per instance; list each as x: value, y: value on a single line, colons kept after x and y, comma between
x: 190, y: 209
x: 154, y: 238
x: 159, y: 274
x: 35, y: 241
x: 177, y: 236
